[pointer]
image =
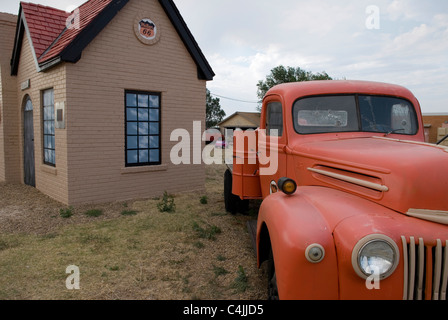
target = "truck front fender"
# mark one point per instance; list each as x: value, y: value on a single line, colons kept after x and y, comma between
x: 289, y: 225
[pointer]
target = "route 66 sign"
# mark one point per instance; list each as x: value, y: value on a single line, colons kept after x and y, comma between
x: 146, y: 29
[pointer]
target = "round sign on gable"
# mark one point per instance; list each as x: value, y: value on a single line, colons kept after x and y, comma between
x: 146, y: 29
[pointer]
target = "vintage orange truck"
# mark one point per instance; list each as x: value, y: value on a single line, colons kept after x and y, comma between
x: 357, y: 207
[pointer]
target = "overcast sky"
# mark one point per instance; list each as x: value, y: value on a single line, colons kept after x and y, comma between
x: 244, y: 39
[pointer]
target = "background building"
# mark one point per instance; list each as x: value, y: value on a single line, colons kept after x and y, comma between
x: 433, y: 124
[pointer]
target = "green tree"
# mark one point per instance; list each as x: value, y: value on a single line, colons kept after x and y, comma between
x: 214, y: 112
x: 283, y: 74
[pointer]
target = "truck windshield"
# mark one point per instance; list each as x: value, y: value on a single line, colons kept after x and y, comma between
x: 351, y: 113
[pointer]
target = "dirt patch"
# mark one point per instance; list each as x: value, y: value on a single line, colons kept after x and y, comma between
x: 25, y: 210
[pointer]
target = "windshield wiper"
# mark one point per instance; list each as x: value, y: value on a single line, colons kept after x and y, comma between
x: 393, y: 131
x: 440, y: 142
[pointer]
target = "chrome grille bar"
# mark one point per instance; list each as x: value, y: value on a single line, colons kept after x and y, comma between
x: 437, y: 271
x: 406, y: 269
x: 444, y: 274
x: 411, y: 268
x: 425, y: 269
x: 421, y: 268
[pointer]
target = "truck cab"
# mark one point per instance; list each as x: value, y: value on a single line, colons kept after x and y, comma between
x: 354, y: 202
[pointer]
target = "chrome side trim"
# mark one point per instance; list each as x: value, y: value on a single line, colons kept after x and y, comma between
x: 360, y: 182
x: 430, y: 215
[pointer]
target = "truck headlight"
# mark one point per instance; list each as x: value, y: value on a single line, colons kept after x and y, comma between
x: 375, y: 254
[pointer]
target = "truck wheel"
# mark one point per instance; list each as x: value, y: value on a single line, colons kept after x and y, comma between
x: 272, y: 278
x: 232, y: 202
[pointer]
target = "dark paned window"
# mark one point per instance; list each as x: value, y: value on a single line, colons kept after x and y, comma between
x: 49, y: 128
x: 274, y: 119
x: 143, y: 130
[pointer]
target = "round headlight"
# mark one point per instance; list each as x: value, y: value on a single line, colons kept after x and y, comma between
x: 375, y: 255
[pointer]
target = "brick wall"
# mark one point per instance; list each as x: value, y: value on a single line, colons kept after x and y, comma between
x: 51, y: 181
x: 442, y: 132
x: 436, y: 122
x: 113, y: 62
x: 9, y: 131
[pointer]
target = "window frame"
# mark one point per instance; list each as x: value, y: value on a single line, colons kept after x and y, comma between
x: 52, y: 124
x: 138, y: 135
x: 358, y: 111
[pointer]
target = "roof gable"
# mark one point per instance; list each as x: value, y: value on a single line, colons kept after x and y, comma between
x: 55, y: 41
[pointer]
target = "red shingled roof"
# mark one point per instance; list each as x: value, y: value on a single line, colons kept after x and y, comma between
x: 87, y: 13
x: 48, y: 26
x: 45, y: 24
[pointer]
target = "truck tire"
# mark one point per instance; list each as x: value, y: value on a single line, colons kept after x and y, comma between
x: 272, y: 278
x: 233, y: 203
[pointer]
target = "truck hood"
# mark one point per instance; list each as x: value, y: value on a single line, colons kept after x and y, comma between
x: 405, y: 176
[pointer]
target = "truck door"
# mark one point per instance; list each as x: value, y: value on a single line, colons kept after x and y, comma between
x: 272, y: 142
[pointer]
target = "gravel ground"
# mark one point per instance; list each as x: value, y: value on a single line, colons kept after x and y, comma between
x: 24, y: 209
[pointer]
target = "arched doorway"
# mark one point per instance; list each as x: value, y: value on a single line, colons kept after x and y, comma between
x: 28, y: 145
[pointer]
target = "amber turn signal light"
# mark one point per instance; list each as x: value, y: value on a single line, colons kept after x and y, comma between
x: 287, y: 186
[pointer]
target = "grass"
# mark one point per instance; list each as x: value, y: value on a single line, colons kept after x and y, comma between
x: 209, y: 232
x: 94, y: 213
x: 197, y: 251
x: 128, y: 213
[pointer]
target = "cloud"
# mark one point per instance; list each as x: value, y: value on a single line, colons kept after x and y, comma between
x: 409, y: 49
x: 244, y: 40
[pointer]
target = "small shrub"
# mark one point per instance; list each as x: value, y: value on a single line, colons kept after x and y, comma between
x: 199, y: 244
x: 204, y: 200
x: 209, y: 233
x: 219, y: 271
x: 221, y: 258
x: 241, y: 281
x: 66, y: 213
x: 167, y: 204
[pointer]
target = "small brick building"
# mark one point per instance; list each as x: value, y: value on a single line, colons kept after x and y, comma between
x: 435, y: 125
x: 88, y: 99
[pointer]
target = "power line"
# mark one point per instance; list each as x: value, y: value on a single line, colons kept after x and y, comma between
x: 233, y: 99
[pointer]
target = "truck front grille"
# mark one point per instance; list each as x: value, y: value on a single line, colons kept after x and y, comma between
x: 425, y: 269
